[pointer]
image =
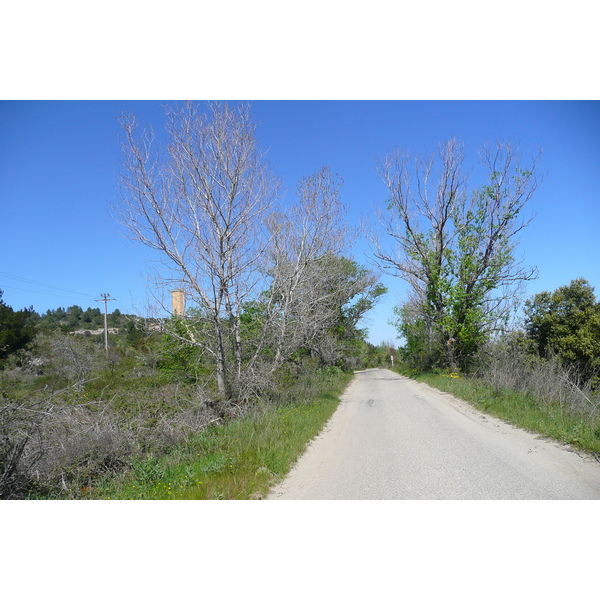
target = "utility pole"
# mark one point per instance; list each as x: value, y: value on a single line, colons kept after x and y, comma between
x: 106, y: 299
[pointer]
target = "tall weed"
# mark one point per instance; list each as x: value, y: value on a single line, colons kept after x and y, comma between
x: 547, y: 381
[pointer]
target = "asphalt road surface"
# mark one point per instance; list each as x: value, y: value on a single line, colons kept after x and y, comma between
x: 394, y: 438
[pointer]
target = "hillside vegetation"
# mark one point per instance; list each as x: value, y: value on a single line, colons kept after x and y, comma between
x: 79, y: 422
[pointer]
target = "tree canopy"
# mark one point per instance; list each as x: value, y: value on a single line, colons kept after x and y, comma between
x: 16, y: 329
x: 567, y: 323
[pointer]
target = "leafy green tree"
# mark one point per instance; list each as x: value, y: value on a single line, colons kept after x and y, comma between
x: 360, y: 292
x: 16, y: 328
x: 455, y: 248
x: 321, y: 321
x: 567, y: 323
x: 363, y: 292
x: 346, y: 291
x: 423, y: 347
x: 91, y: 318
x: 114, y: 318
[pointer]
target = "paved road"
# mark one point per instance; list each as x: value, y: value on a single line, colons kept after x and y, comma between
x: 393, y: 438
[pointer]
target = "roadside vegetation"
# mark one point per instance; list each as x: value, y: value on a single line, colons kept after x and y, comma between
x: 543, y: 377
x: 145, y: 419
x: 564, y: 415
x: 241, y: 459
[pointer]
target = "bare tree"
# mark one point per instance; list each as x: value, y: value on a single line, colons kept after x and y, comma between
x: 303, y: 240
x: 454, y: 249
x: 262, y: 283
x: 202, y: 206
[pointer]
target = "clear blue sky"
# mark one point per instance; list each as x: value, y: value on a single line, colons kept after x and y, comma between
x: 59, y: 160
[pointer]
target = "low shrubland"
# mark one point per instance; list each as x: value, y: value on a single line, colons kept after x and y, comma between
x: 57, y: 444
x: 77, y: 422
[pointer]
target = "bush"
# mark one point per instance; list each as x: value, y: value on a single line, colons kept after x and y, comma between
x: 16, y: 330
x: 59, y: 444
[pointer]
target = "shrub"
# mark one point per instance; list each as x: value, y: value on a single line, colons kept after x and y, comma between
x: 20, y: 426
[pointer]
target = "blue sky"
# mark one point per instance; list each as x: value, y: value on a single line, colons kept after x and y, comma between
x: 59, y: 161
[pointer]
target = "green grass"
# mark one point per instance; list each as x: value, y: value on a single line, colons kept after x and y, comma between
x: 548, y: 419
x: 241, y: 459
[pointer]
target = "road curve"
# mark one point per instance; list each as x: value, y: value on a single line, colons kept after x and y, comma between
x: 394, y: 438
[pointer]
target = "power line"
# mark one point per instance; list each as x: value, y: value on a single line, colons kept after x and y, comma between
x: 12, y: 287
x: 24, y: 279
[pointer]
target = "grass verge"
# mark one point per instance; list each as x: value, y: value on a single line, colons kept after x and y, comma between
x: 239, y: 460
x: 549, y: 419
